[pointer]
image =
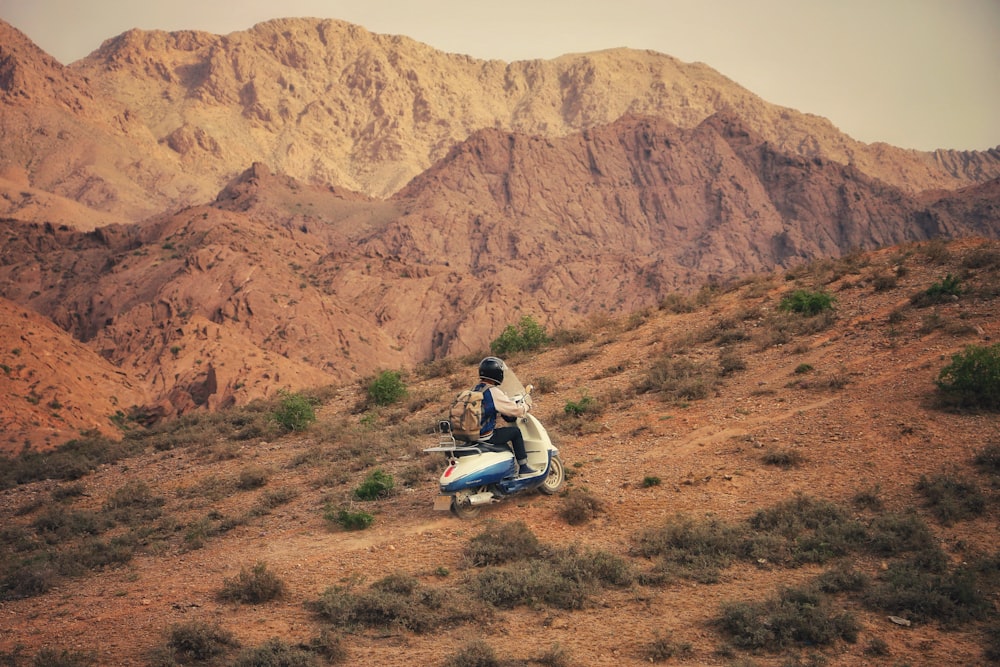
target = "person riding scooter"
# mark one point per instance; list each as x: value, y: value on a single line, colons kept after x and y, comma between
x: 496, y: 402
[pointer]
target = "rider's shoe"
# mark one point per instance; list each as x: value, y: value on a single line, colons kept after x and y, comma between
x: 525, y: 470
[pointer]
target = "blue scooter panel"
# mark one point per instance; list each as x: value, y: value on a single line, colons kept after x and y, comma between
x: 477, y: 470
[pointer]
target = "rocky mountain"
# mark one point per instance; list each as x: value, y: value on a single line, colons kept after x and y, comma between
x: 73, y: 156
x: 305, y: 203
x: 170, y: 118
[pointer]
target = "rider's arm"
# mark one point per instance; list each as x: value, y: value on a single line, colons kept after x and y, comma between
x: 506, y: 406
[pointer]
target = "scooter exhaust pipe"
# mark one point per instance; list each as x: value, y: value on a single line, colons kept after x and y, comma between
x: 483, y: 498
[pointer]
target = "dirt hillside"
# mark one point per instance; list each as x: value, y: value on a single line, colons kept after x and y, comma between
x: 278, y: 284
x: 843, y: 411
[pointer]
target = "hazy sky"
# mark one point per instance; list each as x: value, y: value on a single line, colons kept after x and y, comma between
x: 921, y: 74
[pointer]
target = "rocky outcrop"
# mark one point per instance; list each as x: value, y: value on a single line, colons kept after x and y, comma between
x: 54, y: 387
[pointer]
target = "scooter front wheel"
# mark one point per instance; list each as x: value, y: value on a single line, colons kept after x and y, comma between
x: 556, y: 478
x: 462, y: 508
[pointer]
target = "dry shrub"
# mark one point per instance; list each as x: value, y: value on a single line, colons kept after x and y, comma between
x: 275, y: 652
x: 197, y: 641
x: 662, y: 648
x: 476, y: 653
x: 252, y: 477
x: 797, y: 616
x: 501, y: 543
x: 783, y: 458
x: 580, y: 506
x: 253, y: 586
x: 679, y: 378
x: 678, y: 303
x: 395, y: 601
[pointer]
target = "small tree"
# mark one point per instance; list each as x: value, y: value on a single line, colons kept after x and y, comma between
x: 387, y: 388
x: 295, y: 412
x: 527, y: 335
x: 972, y: 379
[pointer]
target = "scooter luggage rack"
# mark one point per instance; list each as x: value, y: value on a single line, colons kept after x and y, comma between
x: 448, y: 443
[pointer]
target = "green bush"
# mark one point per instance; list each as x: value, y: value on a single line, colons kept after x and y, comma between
x: 877, y: 648
x: 842, y: 579
x: 579, y: 408
x: 269, y: 500
x: 134, y: 503
x: 378, y: 484
x: 527, y: 335
x: 295, y: 412
x: 69, y: 461
x: 948, y: 289
x: 806, y: 302
x: 58, y: 524
x: 349, y: 519
x: 972, y: 379
x: 387, y: 388
x: 815, y: 530
x: 896, y: 534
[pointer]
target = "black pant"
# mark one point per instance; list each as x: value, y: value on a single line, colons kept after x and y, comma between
x: 511, y: 434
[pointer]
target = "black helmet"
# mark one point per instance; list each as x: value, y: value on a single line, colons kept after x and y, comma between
x: 491, y: 368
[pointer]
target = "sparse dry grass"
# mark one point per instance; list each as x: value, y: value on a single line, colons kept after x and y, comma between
x: 226, y: 485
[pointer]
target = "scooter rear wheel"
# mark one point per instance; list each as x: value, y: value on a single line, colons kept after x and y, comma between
x: 461, y: 507
x: 557, y: 477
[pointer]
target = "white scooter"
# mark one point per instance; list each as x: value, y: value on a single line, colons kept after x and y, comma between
x: 480, y: 473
